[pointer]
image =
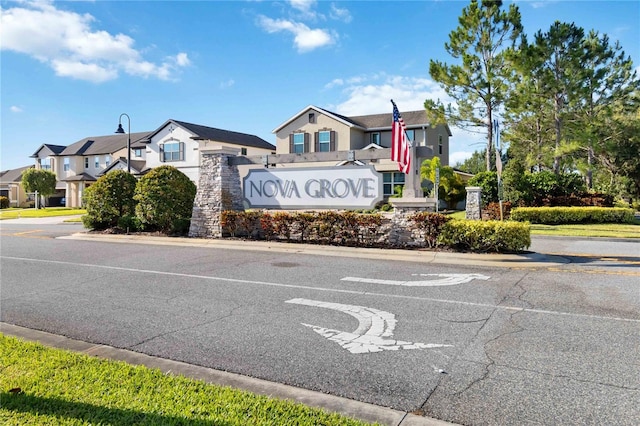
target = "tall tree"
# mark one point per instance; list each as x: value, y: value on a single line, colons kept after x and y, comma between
x: 559, y: 53
x: 528, y: 112
x: 478, y: 83
x: 608, y: 84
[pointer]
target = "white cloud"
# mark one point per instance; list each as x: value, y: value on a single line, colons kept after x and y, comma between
x: 227, y: 84
x: 305, y: 8
x: 340, y: 14
x: 67, y: 42
x: 371, y: 94
x: 305, y: 38
x: 15, y: 108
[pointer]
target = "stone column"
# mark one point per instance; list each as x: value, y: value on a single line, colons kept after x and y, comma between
x: 218, y: 190
x: 474, y: 203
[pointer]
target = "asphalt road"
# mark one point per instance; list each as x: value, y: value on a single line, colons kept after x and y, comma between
x: 546, y: 345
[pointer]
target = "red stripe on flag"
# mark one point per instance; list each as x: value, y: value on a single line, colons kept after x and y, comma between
x: 400, y: 149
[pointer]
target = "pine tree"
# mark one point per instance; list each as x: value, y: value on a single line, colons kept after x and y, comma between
x: 478, y: 84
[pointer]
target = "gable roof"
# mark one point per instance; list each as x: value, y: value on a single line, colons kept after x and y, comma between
x: 412, y: 119
x: 97, y: 145
x: 213, y: 134
x: 13, y: 175
x: 55, y: 149
x: 137, y: 166
x: 341, y: 118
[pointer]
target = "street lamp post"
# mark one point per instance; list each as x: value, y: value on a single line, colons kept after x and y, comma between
x: 121, y: 130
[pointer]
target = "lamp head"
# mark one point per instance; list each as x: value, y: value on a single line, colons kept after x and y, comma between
x: 120, y: 129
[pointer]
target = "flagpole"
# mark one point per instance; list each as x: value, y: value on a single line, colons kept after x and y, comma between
x: 412, y: 198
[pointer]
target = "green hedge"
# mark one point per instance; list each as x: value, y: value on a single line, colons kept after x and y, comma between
x: 565, y: 215
x: 485, y: 236
x: 368, y: 230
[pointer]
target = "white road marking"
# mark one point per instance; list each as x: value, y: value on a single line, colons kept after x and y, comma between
x: 325, y: 289
x: 374, y: 325
x: 444, y: 279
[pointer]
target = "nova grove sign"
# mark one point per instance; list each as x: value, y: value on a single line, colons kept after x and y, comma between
x: 319, y: 187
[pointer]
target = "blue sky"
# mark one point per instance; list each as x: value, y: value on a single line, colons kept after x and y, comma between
x: 69, y: 69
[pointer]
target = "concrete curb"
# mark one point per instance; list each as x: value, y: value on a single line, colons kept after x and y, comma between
x: 348, y: 407
x: 526, y: 260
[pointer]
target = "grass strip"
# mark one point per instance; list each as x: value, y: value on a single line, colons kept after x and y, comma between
x: 46, y: 212
x: 41, y: 385
x: 611, y: 230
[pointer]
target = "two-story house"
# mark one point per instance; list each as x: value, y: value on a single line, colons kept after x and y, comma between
x: 314, y: 129
x: 78, y: 165
x: 178, y: 144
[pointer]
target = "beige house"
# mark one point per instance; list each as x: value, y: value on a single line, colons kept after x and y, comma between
x: 78, y: 165
x: 314, y: 129
x: 176, y: 143
x: 11, y: 186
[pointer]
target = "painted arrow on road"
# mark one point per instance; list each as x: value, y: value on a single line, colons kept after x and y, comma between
x: 443, y: 279
x: 373, y: 333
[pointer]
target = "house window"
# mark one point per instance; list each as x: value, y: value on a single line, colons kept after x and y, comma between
x: 137, y: 152
x: 324, y: 141
x: 375, y: 138
x: 172, y: 151
x: 298, y: 143
x: 86, y: 162
x: 411, y: 134
x: 312, y: 118
x: 47, y: 164
x: 96, y: 162
x: 107, y: 160
x: 66, y: 166
x: 243, y: 151
x: 390, y: 181
x: 440, y: 144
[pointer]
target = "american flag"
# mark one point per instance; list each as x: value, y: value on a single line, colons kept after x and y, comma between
x: 400, y: 144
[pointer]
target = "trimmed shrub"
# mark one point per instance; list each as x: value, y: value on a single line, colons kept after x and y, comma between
x: 4, y: 203
x: 239, y: 223
x: 430, y: 226
x: 486, y: 236
x: 566, y: 215
x: 109, y: 200
x: 165, y: 200
x: 579, y: 200
x: 492, y: 211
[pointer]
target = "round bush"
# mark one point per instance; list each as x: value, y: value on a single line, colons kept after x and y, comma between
x: 109, y: 199
x: 165, y: 200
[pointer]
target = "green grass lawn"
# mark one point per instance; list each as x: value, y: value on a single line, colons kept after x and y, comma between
x: 46, y: 212
x: 611, y: 230
x: 40, y: 385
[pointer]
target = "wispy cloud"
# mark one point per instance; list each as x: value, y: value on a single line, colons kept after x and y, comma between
x: 227, y: 84
x: 370, y: 94
x: 299, y: 21
x: 305, y: 39
x: 66, y: 42
x: 340, y: 14
x: 304, y: 8
x: 15, y: 108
